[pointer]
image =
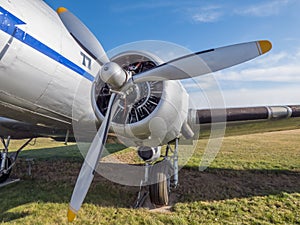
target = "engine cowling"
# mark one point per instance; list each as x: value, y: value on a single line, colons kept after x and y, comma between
x: 149, y: 113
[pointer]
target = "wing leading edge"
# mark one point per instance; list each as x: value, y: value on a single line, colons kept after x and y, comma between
x: 247, y: 114
x: 248, y: 120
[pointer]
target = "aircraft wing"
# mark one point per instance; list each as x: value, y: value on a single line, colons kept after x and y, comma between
x: 248, y: 120
x: 20, y: 130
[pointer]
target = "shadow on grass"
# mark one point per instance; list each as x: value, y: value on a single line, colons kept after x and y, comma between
x: 64, y: 152
x: 55, y: 172
x: 30, y: 194
x: 7, y: 217
x: 222, y: 184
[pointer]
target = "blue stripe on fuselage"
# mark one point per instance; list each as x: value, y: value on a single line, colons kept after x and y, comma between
x: 8, y: 24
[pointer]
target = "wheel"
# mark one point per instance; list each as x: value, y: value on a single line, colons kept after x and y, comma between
x: 159, y: 190
x: 5, y: 176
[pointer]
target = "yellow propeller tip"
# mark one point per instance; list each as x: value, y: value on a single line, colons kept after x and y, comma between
x: 265, y: 46
x: 61, y: 10
x: 71, y: 215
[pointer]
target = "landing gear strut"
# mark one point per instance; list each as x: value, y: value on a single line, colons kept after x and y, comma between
x: 160, y: 178
x: 8, y: 160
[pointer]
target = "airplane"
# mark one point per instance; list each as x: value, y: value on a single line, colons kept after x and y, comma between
x: 54, y: 75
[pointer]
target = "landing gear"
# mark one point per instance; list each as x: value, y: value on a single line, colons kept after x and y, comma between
x: 160, y: 178
x: 8, y: 160
x: 160, y: 189
x: 4, y: 175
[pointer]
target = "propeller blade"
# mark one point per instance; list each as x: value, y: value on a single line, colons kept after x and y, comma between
x: 91, y: 162
x: 83, y: 36
x: 205, y: 62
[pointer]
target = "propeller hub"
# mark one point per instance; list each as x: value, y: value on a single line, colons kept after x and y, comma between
x: 112, y: 74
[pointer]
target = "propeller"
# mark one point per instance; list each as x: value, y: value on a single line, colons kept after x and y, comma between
x: 205, y: 62
x: 91, y: 161
x: 82, y: 35
x: 188, y: 66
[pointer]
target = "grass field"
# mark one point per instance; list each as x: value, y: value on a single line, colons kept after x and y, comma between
x: 255, y: 179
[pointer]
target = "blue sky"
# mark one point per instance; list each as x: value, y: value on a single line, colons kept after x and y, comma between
x: 202, y: 24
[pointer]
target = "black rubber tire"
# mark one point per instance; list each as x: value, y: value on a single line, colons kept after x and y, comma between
x: 159, y: 190
x: 4, y: 177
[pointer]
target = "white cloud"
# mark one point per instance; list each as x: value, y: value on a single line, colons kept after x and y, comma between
x: 213, y: 13
x: 265, y: 9
x: 270, y: 80
x: 144, y: 6
x: 206, y: 17
x: 273, y: 59
x: 273, y: 68
x: 275, y: 74
x: 244, y: 97
x: 194, y: 11
x: 207, y: 14
x: 203, y: 83
x: 281, y: 67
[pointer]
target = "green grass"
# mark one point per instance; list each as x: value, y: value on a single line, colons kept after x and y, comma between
x: 255, y: 179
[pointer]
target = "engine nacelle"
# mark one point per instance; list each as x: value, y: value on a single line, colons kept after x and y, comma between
x: 149, y: 154
x: 153, y: 113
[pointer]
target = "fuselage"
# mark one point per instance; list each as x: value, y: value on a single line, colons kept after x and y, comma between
x: 46, y: 79
x: 42, y: 68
